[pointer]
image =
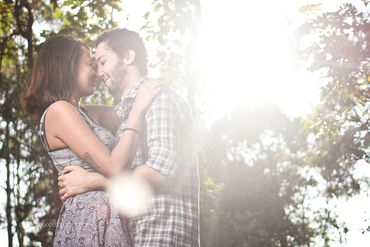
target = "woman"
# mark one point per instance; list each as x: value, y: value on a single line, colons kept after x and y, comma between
x: 62, y: 74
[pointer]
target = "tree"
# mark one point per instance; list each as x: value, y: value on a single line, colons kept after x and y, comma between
x: 32, y: 201
x: 341, y: 121
x: 336, y: 44
x: 255, y: 159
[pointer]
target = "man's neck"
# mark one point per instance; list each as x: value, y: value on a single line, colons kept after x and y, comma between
x: 129, y: 81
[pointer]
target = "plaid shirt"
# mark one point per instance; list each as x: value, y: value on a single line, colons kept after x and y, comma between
x: 166, y: 146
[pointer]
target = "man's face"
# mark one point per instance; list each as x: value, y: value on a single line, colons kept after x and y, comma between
x: 111, y: 68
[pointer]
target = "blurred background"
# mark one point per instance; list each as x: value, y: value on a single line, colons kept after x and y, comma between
x: 280, y: 92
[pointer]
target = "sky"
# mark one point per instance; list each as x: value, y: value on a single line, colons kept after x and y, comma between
x: 246, y: 58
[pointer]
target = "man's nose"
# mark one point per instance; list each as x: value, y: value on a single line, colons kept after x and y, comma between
x: 99, y: 72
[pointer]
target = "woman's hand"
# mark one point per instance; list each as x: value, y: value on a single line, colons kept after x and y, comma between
x: 146, y: 95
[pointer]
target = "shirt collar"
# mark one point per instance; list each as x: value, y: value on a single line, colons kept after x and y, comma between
x: 134, y: 90
x: 123, y: 107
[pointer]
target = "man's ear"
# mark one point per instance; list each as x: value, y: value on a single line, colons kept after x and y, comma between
x: 129, y: 57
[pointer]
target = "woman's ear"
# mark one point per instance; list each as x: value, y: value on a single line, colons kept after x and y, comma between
x: 129, y: 57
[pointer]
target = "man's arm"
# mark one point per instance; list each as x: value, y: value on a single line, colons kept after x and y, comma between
x: 77, y: 180
x: 162, y: 141
x: 153, y: 177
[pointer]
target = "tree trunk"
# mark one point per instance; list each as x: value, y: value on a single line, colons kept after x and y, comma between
x: 8, y: 189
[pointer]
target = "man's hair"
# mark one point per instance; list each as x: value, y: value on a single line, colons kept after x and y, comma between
x: 54, y: 74
x: 122, y: 40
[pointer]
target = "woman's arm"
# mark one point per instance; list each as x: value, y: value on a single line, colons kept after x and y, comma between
x: 67, y: 125
x: 64, y: 125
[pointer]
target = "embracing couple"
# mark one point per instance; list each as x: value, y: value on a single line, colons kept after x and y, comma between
x: 153, y: 127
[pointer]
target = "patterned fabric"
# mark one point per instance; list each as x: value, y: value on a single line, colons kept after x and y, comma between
x: 166, y: 146
x: 87, y: 219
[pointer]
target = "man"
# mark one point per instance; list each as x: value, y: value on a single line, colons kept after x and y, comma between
x: 165, y: 158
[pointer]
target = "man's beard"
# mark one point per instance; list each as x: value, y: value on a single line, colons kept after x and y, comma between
x: 116, y: 86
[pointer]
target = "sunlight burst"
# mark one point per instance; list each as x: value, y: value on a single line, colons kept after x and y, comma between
x: 130, y: 195
x: 245, y: 57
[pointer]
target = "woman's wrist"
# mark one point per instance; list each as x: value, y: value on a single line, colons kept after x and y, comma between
x: 137, y: 111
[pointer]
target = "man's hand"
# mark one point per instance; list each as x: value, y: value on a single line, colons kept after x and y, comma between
x: 74, y: 181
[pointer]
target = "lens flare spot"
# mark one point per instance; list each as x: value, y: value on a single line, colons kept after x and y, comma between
x: 130, y: 195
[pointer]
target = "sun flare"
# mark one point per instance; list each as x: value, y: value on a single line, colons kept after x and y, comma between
x: 245, y: 58
x: 130, y: 195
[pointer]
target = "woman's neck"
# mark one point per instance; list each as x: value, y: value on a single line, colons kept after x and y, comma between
x: 75, y: 101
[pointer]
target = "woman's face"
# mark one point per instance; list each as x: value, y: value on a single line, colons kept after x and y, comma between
x: 86, y: 79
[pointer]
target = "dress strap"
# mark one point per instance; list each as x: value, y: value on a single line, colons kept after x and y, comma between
x: 91, y: 122
x: 86, y: 116
x: 42, y: 133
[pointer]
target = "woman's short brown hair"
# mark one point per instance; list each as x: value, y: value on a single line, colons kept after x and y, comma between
x: 53, y: 74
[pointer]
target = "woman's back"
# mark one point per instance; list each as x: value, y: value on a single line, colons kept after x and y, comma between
x: 65, y: 156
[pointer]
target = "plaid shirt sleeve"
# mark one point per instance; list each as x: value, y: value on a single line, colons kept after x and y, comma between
x: 161, y: 135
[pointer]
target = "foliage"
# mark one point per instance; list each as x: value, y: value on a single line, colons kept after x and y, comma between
x: 173, y: 25
x: 255, y: 162
x: 336, y: 46
x: 340, y: 123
